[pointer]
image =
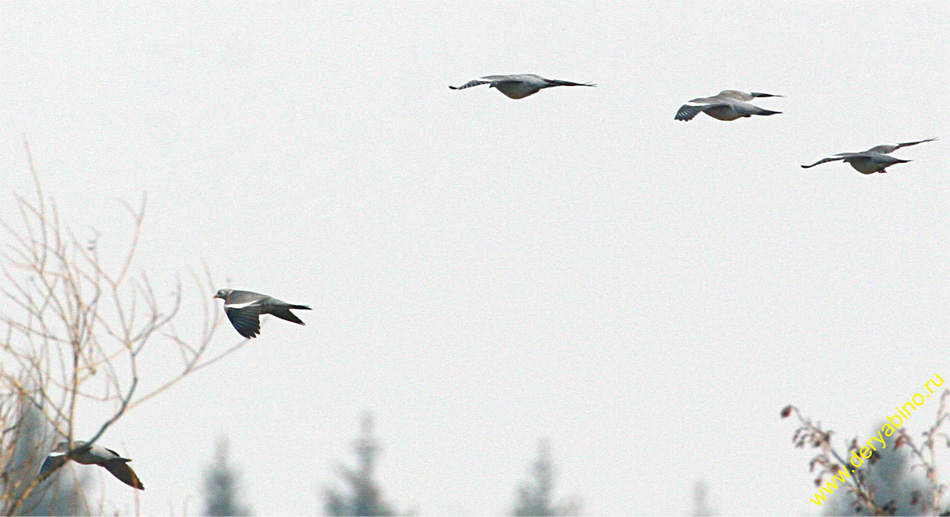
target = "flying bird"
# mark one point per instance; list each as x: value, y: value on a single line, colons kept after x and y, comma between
x: 92, y: 455
x: 518, y: 86
x: 873, y: 160
x: 244, y: 309
x: 728, y: 105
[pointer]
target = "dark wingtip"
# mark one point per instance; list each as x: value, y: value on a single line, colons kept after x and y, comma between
x: 453, y: 87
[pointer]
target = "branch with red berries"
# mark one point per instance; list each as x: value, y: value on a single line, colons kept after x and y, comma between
x: 829, y: 462
x: 926, y: 452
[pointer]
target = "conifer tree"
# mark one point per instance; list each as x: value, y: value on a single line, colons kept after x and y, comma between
x: 221, y: 485
x: 536, y: 496
x: 701, y: 500
x: 363, y: 495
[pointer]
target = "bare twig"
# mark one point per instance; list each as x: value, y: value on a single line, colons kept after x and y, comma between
x: 77, y: 328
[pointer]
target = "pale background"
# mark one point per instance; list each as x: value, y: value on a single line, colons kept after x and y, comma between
x: 486, y: 272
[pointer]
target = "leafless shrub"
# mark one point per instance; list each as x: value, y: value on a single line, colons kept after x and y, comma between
x: 829, y: 461
x: 73, y: 330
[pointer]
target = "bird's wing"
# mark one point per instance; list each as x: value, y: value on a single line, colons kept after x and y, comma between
x: 736, y: 94
x: 883, y: 148
x: 246, y: 320
x: 890, y: 148
x: 485, y: 80
x: 281, y: 309
x: 115, y: 455
x: 469, y: 84
x: 270, y: 303
x: 908, y: 144
x: 51, y: 463
x: 688, y: 111
x: 285, y: 314
x: 124, y: 473
x: 823, y: 160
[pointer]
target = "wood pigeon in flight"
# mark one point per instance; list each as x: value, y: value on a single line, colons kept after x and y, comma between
x: 92, y: 455
x: 875, y: 159
x: 727, y: 105
x: 244, y: 309
x: 518, y: 86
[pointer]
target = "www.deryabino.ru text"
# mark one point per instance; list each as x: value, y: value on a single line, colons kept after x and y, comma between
x: 889, y: 429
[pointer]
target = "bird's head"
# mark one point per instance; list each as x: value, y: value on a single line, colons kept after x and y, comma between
x: 223, y: 294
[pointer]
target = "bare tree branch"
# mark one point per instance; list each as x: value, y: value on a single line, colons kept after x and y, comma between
x: 76, y: 328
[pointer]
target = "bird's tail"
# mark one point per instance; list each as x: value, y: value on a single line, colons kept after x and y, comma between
x: 558, y: 82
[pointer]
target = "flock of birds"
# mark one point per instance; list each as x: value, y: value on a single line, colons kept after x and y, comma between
x: 727, y: 105
x: 244, y: 308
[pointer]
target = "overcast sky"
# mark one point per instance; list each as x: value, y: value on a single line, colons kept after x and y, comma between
x: 486, y: 272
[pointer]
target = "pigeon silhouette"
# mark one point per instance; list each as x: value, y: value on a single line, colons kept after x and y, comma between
x: 244, y: 309
x: 92, y: 455
x: 873, y: 160
x: 728, y: 105
x: 518, y: 86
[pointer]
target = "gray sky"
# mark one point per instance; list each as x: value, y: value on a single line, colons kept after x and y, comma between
x: 485, y: 272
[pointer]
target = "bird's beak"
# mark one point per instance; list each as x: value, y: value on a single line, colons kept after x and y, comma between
x: 215, y: 296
